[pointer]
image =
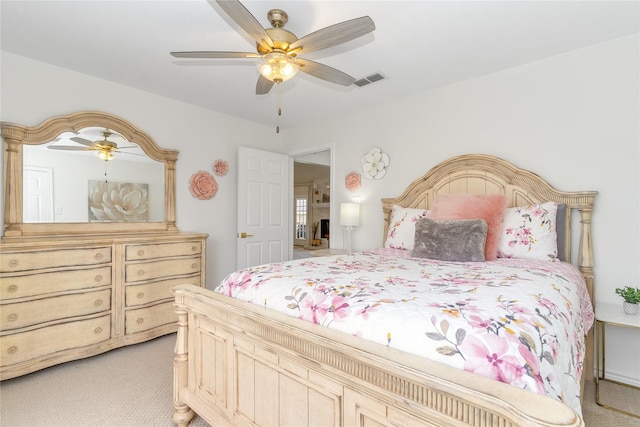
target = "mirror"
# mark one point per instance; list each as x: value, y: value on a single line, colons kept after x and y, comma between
x: 57, y: 180
x: 67, y: 181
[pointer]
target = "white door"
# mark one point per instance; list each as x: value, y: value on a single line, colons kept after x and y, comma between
x: 263, y: 207
x: 37, y: 205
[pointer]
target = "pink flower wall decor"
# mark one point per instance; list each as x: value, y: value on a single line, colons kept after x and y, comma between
x: 203, y: 185
x: 220, y: 167
x: 352, y: 181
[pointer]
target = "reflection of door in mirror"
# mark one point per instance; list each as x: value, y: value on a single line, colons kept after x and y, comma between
x: 72, y: 175
x: 38, y: 194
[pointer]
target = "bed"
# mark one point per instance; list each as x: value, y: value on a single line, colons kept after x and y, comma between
x: 243, y: 362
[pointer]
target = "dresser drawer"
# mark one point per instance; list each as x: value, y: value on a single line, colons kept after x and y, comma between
x: 29, y: 285
x: 29, y: 313
x: 162, y: 250
x: 21, y: 261
x: 29, y: 345
x: 136, y: 272
x: 142, y: 319
x: 155, y: 291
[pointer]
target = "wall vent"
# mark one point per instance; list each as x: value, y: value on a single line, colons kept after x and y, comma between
x: 369, y: 79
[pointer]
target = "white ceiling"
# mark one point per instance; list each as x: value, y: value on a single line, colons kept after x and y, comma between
x: 417, y: 45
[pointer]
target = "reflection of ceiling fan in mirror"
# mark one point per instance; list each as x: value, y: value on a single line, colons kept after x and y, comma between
x: 278, y: 49
x: 104, y: 148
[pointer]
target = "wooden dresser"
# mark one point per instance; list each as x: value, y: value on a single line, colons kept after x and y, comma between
x: 67, y: 297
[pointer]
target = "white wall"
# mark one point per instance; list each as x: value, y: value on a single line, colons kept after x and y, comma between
x: 573, y: 119
x: 33, y: 91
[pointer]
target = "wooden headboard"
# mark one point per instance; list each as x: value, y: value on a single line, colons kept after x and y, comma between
x: 485, y: 174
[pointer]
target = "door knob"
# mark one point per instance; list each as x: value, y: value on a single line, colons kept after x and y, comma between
x: 244, y: 235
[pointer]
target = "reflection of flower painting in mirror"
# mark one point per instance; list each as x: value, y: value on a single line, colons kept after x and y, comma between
x: 118, y: 202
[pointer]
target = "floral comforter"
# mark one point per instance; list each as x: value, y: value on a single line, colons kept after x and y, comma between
x: 522, y: 322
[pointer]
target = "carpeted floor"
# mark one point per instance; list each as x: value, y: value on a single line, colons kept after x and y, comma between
x: 132, y: 386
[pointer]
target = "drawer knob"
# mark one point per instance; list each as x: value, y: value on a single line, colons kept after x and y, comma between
x: 97, y: 330
x: 140, y: 320
x: 12, y: 317
x: 140, y: 252
x: 98, y: 278
x: 12, y: 350
x: 194, y: 265
x: 140, y: 295
x: 194, y: 248
x: 13, y: 288
x: 13, y: 263
x: 98, y: 302
x: 140, y: 272
x: 98, y: 255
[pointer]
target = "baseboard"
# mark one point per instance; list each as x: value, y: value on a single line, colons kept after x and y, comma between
x: 616, y: 376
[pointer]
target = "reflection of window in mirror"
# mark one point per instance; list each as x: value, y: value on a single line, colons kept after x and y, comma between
x: 57, y: 181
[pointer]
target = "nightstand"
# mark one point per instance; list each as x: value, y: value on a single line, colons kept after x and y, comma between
x: 612, y: 315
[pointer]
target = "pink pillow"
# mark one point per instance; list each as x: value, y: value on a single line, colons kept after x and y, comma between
x: 490, y: 208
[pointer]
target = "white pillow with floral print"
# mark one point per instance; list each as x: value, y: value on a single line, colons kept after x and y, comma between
x: 402, y: 227
x: 529, y: 232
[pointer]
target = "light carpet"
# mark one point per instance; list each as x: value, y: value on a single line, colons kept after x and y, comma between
x: 132, y: 386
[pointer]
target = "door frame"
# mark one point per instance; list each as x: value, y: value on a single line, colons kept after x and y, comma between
x: 332, y: 197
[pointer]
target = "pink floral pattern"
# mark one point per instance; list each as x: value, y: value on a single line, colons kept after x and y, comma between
x: 202, y: 185
x: 529, y: 232
x: 522, y: 322
x: 220, y: 167
x: 352, y: 182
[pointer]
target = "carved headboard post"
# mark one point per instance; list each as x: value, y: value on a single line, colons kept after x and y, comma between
x: 585, y: 264
x: 585, y: 251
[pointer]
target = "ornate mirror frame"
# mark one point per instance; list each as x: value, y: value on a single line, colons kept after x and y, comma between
x: 16, y: 136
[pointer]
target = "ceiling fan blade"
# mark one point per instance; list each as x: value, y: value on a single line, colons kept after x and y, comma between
x: 334, y: 35
x: 128, y: 153
x: 82, y: 141
x: 247, y: 22
x: 263, y: 86
x: 70, y: 148
x: 214, y: 54
x: 325, y: 72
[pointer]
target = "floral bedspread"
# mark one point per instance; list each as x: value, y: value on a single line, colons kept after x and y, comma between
x: 522, y: 322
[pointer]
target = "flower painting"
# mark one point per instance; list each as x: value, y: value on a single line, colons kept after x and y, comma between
x: 203, y: 185
x: 118, y: 202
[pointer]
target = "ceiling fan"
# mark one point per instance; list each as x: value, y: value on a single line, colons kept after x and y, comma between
x: 278, y: 49
x: 104, y: 149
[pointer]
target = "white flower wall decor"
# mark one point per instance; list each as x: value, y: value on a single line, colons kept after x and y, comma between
x: 374, y: 163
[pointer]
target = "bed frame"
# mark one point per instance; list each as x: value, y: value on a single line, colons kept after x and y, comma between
x: 238, y: 364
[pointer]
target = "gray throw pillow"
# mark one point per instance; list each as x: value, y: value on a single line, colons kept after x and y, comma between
x: 450, y: 240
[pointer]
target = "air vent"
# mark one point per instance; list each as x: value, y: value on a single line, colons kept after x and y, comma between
x: 369, y: 79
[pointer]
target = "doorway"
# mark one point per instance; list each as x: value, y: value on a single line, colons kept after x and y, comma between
x: 312, y: 202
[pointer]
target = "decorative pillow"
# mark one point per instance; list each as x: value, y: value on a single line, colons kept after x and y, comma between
x: 530, y: 232
x: 402, y: 227
x: 450, y: 240
x: 475, y: 206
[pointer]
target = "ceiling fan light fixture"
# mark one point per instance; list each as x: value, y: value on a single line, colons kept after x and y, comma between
x: 104, y: 155
x: 277, y: 67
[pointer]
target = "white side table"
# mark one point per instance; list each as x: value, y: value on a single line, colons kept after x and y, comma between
x: 612, y: 315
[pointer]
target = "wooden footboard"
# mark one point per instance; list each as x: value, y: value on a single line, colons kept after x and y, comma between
x: 240, y: 364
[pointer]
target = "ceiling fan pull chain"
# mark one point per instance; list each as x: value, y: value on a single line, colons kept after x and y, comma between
x: 105, y: 171
x: 279, y: 110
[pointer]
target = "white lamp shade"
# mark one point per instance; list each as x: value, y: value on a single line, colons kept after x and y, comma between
x: 349, y: 214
